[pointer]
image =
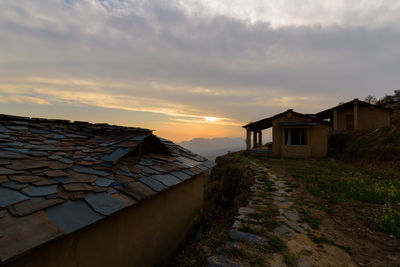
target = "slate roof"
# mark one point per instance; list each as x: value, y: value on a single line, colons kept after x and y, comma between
x: 58, y: 176
x: 267, y: 122
x: 328, y: 112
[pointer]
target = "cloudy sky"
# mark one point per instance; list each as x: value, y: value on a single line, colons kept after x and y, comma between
x: 191, y: 68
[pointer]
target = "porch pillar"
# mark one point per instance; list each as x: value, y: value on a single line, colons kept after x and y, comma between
x: 335, y: 120
x: 355, y: 114
x: 254, y: 139
x: 248, y: 139
x: 260, y: 138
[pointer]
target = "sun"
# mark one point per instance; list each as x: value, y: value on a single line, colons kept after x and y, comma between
x: 212, y: 119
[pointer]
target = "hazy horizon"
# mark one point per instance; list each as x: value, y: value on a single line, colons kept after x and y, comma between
x: 190, y: 69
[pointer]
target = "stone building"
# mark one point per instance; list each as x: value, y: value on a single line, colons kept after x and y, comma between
x: 81, y: 194
x: 306, y: 135
x: 293, y: 134
x: 356, y: 115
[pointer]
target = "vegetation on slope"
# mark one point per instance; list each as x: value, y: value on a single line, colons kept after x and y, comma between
x: 362, y: 204
x: 336, y: 182
x: 226, y: 190
x: 377, y: 148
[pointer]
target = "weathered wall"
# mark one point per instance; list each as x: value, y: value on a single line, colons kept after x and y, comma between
x: 372, y: 118
x: 318, y: 140
x: 367, y: 118
x: 277, y: 132
x: 294, y: 151
x: 341, y: 117
x: 141, y: 235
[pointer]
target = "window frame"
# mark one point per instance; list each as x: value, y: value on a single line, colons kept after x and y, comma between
x: 288, y: 133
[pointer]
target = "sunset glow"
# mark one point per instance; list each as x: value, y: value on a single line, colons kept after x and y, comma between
x: 212, y: 119
x: 192, y: 68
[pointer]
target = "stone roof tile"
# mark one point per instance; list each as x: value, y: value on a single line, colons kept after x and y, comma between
x: 58, y: 176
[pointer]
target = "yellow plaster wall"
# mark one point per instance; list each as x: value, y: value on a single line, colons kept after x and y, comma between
x: 277, y: 132
x: 367, y: 118
x: 142, y: 235
x: 342, y: 113
x: 372, y: 118
x: 318, y: 140
x: 294, y: 151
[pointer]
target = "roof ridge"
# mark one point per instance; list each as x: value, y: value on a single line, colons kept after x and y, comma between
x: 66, y: 122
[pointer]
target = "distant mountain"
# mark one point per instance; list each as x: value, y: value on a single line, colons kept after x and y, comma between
x: 212, y: 148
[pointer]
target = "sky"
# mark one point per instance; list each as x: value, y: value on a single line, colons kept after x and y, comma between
x: 190, y: 68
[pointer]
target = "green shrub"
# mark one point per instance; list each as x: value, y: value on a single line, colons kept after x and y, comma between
x: 337, y: 143
x: 334, y: 181
x: 389, y: 220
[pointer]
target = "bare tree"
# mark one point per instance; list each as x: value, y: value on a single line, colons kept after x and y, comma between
x: 370, y: 99
x: 396, y: 95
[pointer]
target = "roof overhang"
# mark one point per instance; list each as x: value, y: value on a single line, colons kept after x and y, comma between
x: 267, y: 123
x: 328, y: 112
x: 296, y: 124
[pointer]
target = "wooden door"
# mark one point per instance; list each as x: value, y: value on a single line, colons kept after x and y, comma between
x: 349, y: 122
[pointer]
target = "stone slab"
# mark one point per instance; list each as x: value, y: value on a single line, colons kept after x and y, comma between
x: 221, y: 261
x: 238, y: 235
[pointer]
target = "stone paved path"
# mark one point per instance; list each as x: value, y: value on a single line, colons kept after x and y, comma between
x: 269, y: 232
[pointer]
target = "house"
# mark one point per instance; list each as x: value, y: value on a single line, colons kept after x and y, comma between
x: 293, y: 134
x: 306, y: 135
x: 356, y: 115
x: 81, y: 194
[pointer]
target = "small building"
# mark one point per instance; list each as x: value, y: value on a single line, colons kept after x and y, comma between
x: 356, y: 115
x: 81, y: 194
x: 306, y: 135
x: 293, y: 135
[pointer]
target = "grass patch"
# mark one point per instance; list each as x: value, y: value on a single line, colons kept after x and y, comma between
x: 276, y: 244
x: 248, y: 229
x: 266, y: 217
x: 258, y: 261
x: 302, y: 202
x: 264, y: 195
x: 236, y: 252
x: 335, y: 181
x: 322, y: 207
x: 254, y: 216
x: 216, y: 243
x: 306, y: 252
x: 323, y: 240
x: 289, y: 259
x: 389, y: 220
x: 312, y: 221
x: 268, y: 184
x: 268, y: 214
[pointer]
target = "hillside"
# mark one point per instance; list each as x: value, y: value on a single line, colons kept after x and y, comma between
x: 211, y: 148
x: 377, y: 149
x: 266, y: 211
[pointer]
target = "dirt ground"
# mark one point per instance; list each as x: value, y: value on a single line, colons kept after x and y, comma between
x: 282, y: 224
x: 344, y: 225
